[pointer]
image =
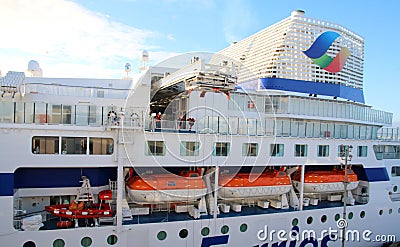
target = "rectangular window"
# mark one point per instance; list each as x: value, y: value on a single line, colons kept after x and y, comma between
x: 6, y: 112
x: 45, y: 144
x: 277, y: 150
x: 300, y: 150
x: 67, y: 114
x: 156, y: 148
x: 101, y: 146
x: 73, y: 145
x: 221, y: 149
x: 55, y: 114
x: 362, y: 151
x: 82, y: 114
x: 323, y: 150
x: 95, y: 115
x: 250, y: 149
x: 342, y: 150
x: 41, y: 113
x: 395, y: 171
x: 189, y: 149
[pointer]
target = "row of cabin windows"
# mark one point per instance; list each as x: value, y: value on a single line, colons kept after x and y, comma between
x: 157, y: 148
x: 72, y: 145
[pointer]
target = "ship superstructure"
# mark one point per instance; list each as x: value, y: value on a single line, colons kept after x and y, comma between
x: 225, y: 149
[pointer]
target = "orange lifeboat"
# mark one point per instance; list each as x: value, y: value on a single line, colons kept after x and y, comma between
x: 326, y: 181
x: 160, y: 188
x: 243, y: 185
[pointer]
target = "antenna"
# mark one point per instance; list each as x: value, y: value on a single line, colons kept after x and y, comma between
x: 144, y: 58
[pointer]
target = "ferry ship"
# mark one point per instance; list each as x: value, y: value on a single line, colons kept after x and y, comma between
x: 252, y: 146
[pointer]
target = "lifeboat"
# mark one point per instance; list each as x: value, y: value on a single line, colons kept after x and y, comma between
x: 325, y: 181
x: 83, y: 207
x: 161, y: 188
x: 243, y: 186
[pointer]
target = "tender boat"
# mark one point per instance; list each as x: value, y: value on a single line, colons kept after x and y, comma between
x: 163, y: 188
x: 244, y: 185
x: 326, y: 181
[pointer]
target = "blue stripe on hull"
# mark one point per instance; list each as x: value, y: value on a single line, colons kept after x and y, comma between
x: 309, y: 87
x: 61, y: 177
x: 6, y: 184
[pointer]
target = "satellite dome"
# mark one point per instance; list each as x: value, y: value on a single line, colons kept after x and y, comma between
x: 34, y: 69
x: 145, y: 56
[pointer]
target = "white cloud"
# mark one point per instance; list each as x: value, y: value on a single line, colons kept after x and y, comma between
x: 66, y: 39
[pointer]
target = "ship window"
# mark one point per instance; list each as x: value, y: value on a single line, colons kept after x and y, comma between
x: 101, y: 146
x: 82, y: 114
x: 86, y: 241
x: 351, y: 215
x: 40, y: 113
x: 324, y: 218
x: 95, y: 115
x: 380, y: 212
x: 250, y: 149
x: 183, y: 233
x: 323, y: 150
x: 59, y: 243
x: 54, y: 114
x: 295, y: 221
x: 189, y: 149
x: 171, y: 183
x: 362, y: 214
x: 225, y: 229
x: 395, y: 171
x: 155, y: 148
x: 29, y: 244
x: 45, y: 145
x: 112, y: 239
x: 221, y: 148
x: 19, y: 112
x: 73, y: 145
x: 309, y: 220
x: 205, y: 231
x: 6, y: 112
x: 67, y: 114
x: 162, y: 235
x: 243, y: 227
x: 300, y: 150
x: 362, y: 151
x: 342, y: 150
x: 277, y: 150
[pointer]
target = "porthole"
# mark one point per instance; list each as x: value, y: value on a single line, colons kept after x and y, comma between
x: 243, y: 227
x: 351, y: 215
x: 205, y: 231
x: 86, y: 241
x: 225, y: 229
x: 59, y: 243
x: 398, y: 210
x: 337, y: 217
x: 324, y: 218
x: 29, y: 244
x: 112, y: 239
x: 295, y: 221
x: 309, y: 220
x: 380, y: 212
x: 395, y: 188
x: 183, y: 233
x: 390, y: 211
x: 362, y: 214
x: 162, y: 235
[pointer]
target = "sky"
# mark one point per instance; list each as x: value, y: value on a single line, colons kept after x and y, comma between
x: 95, y: 38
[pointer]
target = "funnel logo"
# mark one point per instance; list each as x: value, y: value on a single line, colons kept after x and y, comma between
x: 317, y: 53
